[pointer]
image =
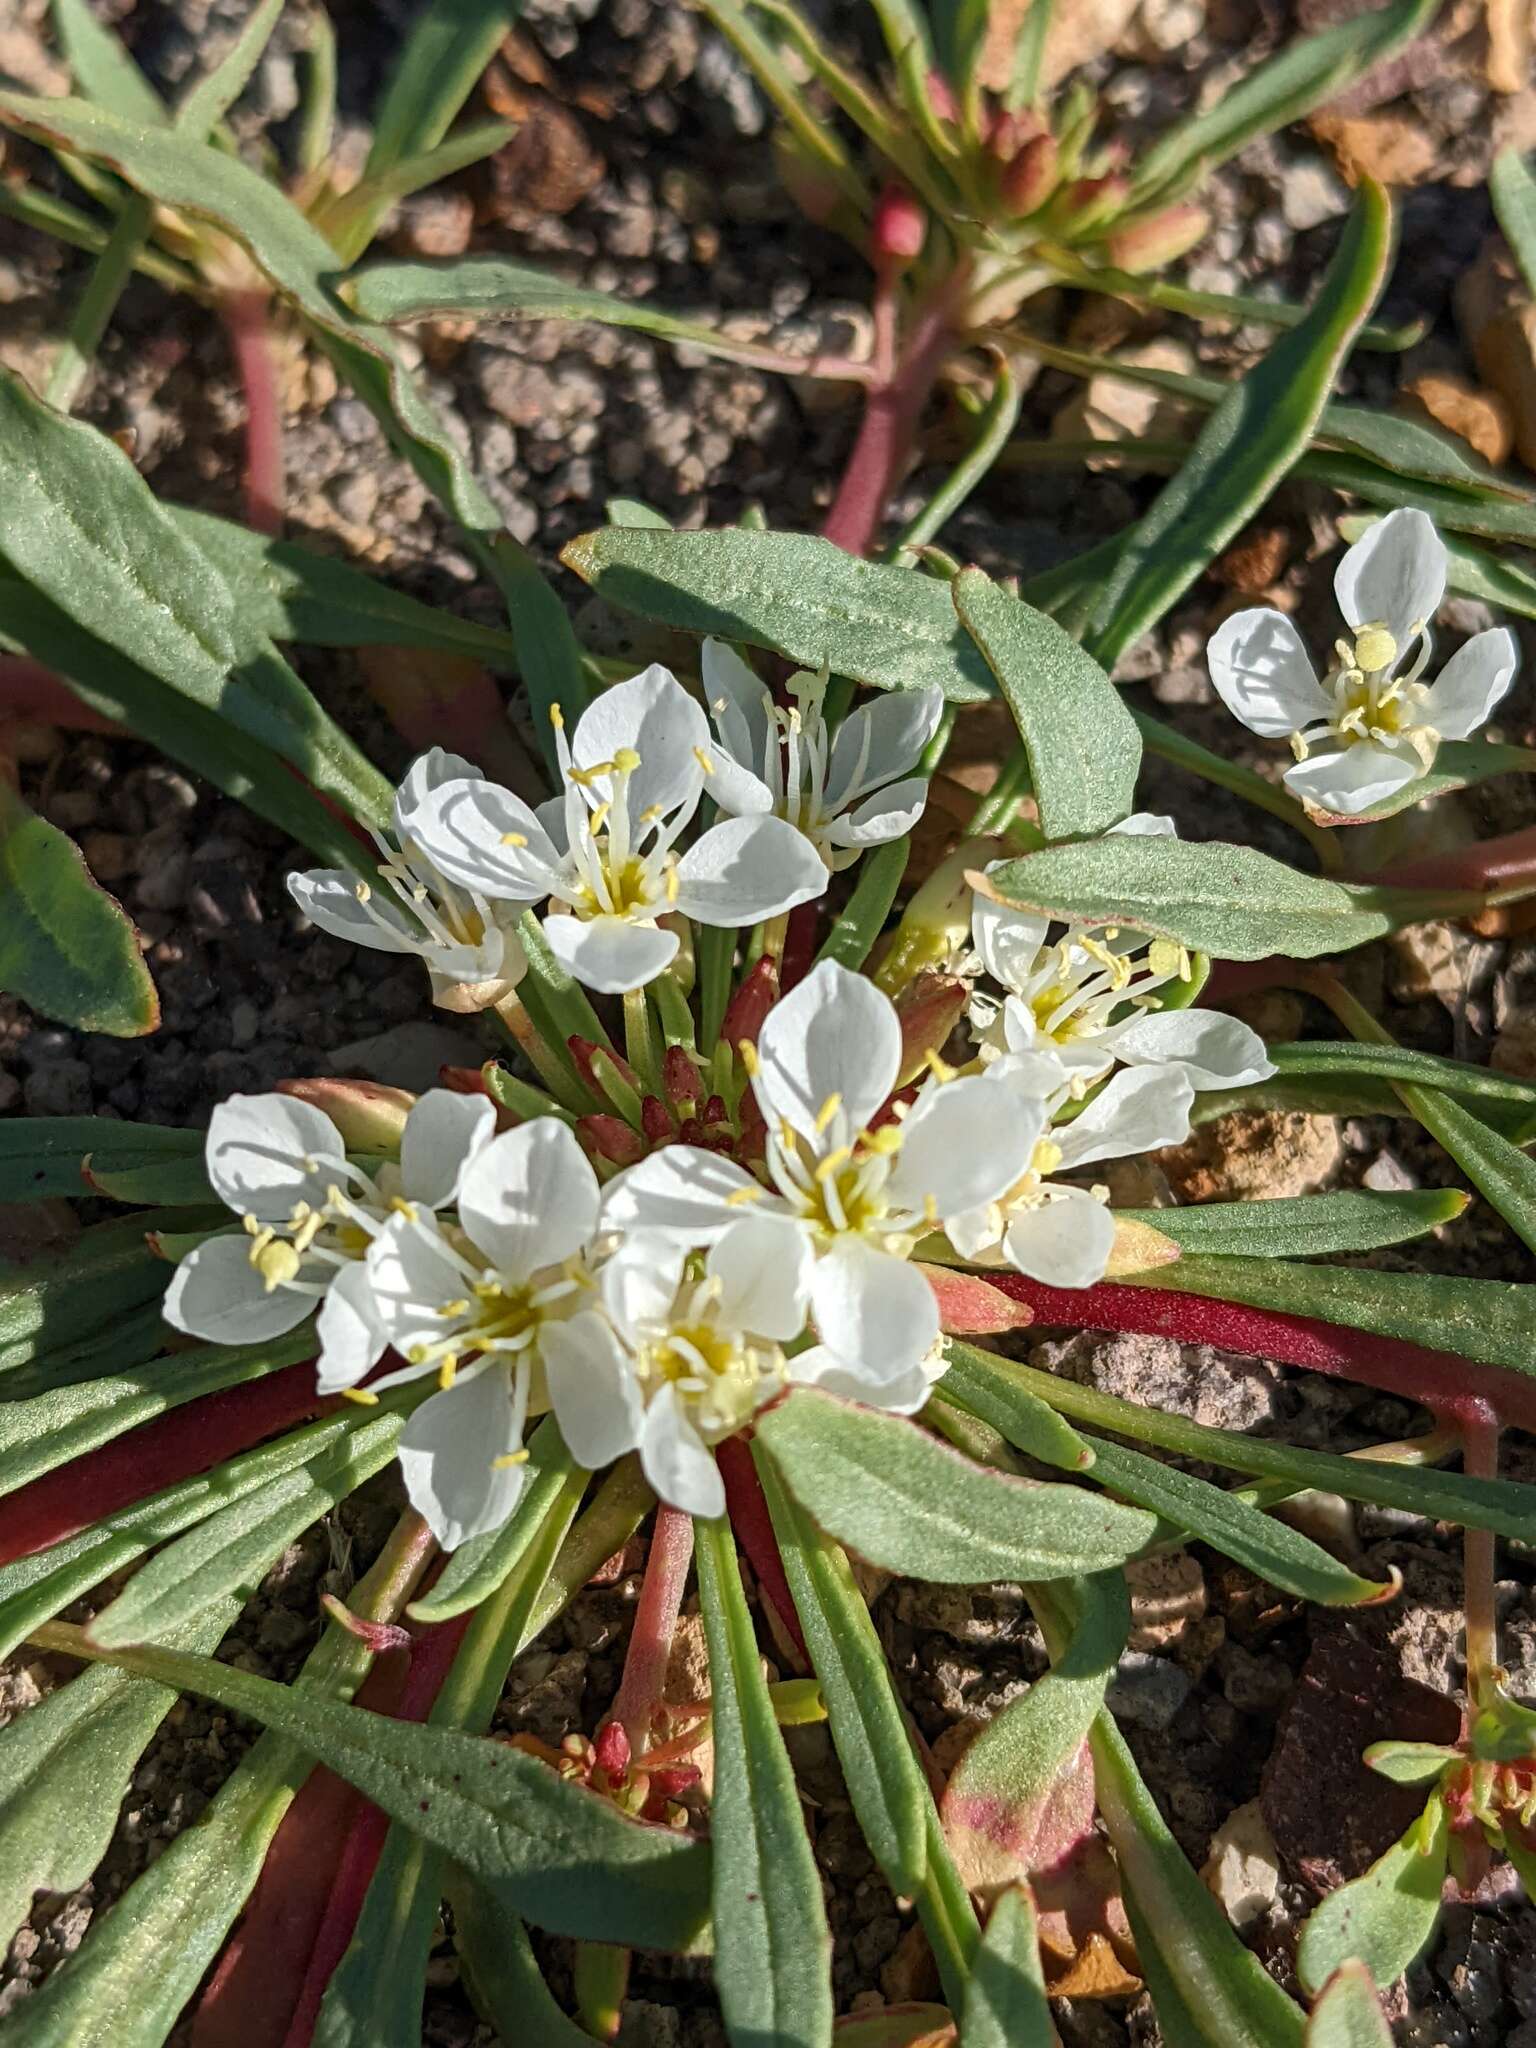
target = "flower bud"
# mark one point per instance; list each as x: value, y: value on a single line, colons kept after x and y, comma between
x: 1030, y: 178
x: 610, y: 1138
x: 680, y: 1077
x: 897, y: 231
x: 928, y: 1009
x: 936, y: 923
x: 941, y: 96
x: 1157, y: 238
x: 749, y: 1006
x: 1008, y: 129
x: 369, y: 1116
x: 1087, y: 203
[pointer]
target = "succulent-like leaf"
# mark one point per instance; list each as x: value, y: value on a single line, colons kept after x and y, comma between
x: 1304, y: 1226
x: 45, y: 1155
x: 1347, y: 1057
x: 501, y: 1972
x: 1385, y: 1917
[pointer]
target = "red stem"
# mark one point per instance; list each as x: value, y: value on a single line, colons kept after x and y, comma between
x: 248, y: 325
x: 1480, y: 1456
x: 158, y: 1454
x: 799, y: 944
x: 28, y: 690
x: 753, y: 1528
x: 884, y: 442
x: 1488, y: 864
x: 643, y: 1688
x: 1439, y: 1379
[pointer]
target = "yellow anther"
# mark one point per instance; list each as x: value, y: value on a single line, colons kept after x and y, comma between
x: 1165, y: 957
x: 363, y: 893
x: 704, y: 761
x: 1046, y: 1156
x: 587, y: 778
x: 739, y: 1197
x: 788, y: 1137
x: 885, y: 1143
x: 599, y: 818
x: 672, y: 885
x: 746, y: 1052
x: 930, y: 1209
x: 361, y: 1396
x: 827, y: 1111
x: 514, y: 838
x: 448, y: 1371
x: 940, y: 1068
x: 402, y: 1207
x: 455, y: 1308
x: 651, y: 813
x: 487, y: 1290
x: 557, y: 718
x: 276, y: 1262
x: 418, y: 1355
x: 826, y: 1168
x: 509, y: 1459
x: 626, y: 760
x: 1375, y: 649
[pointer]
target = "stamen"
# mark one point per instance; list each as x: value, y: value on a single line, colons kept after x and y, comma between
x: 739, y: 1197
x: 514, y: 838
x: 363, y: 893
x: 828, y: 1111
x: 448, y: 1371
x: 704, y: 761
x: 508, y: 1459
x: 746, y: 1052
x: 825, y: 1168
x: 361, y: 1396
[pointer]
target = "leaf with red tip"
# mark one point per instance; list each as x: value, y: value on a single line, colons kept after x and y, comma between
x: 450, y: 700
x: 970, y: 1306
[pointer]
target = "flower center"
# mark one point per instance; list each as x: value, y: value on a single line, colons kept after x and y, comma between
x: 623, y: 865
x: 1371, y: 703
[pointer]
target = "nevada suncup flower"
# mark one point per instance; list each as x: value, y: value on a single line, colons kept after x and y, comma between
x: 1370, y: 726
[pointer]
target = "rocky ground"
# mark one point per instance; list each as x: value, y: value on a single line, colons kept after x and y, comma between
x: 643, y: 165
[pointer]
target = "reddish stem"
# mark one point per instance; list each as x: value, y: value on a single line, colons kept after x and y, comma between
x: 799, y: 944
x: 157, y: 1454
x: 248, y: 325
x: 1480, y: 1456
x: 1439, y: 1379
x: 886, y: 433
x: 643, y: 1688
x: 753, y: 1528
x: 28, y: 690
x: 1488, y: 864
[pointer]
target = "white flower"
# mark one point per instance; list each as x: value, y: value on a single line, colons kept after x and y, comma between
x: 1090, y: 998
x: 310, y: 1216
x: 843, y: 793
x: 1370, y: 727
x: 687, y: 1351
x: 634, y: 771
x: 471, y: 951
x: 859, y: 1197
x: 472, y: 1301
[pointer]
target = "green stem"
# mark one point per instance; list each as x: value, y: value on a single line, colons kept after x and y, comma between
x: 995, y: 426
x: 77, y: 351
x: 66, y: 223
x: 995, y: 811
x: 1170, y: 746
x: 640, y: 1042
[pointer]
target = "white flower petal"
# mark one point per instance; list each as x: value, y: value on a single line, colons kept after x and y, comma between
x: 1263, y: 673
x: 745, y: 869
x: 964, y: 1143
x: 901, y: 1392
x: 266, y: 1153
x: 1064, y: 1243
x: 653, y: 715
x: 427, y: 772
x: 448, y: 1453
x: 442, y: 1133
x: 1145, y: 825
x: 352, y: 1339
x: 1471, y: 683
x: 836, y: 1034
x: 873, y: 1310
x: 610, y: 955
x: 975, y: 1231
x: 218, y: 1295
x: 592, y: 1389
x: 1008, y: 940
x: 1350, y: 779
x: 640, y: 1281
x: 1393, y: 576
x: 1137, y: 1110
x: 486, y: 839
x: 1215, y: 1051
x: 681, y: 1190
x: 879, y: 741
x: 763, y: 1264
x: 737, y: 792
x: 412, y: 1274
x: 676, y: 1462
x: 885, y: 815
x: 529, y: 1198
x: 328, y: 898
x: 739, y: 704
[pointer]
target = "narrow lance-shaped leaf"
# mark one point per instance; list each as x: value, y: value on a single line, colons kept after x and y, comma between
x: 773, y: 1951
x: 1513, y: 191
x: 1304, y: 1226
x: 1249, y: 442
x: 1397, y: 1063
x: 101, y: 67
x: 892, y: 1493
x: 1082, y: 744
x: 67, y: 948
x: 1006, y: 2005
x: 44, y: 1155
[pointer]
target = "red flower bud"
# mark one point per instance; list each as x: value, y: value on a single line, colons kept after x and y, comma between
x: 1088, y: 203
x: 928, y: 1009
x: 1157, y: 238
x: 1030, y: 178
x: 898, y: 230
x: 941, y: 97
x: 609, y: 1137
x: 756, y: 996
x: 681, y: 1078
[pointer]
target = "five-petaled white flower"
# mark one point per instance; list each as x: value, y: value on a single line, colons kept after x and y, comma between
x: 844, y: 792
x: 859, y: 1190
x: 310, y: 1215
x: 605, y: 851
x: 1371, y: 726
x: 469, y: 945
x: 473, y: 1300
x: 685, y: 1351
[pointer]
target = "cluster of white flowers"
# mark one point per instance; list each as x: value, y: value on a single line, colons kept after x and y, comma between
x: 1371, y: 726
x: 658, y: 1310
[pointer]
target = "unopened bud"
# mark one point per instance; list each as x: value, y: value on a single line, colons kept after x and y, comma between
x: 941, y: 96
x: 1087, y: 203
x: 598, y: 1066
x: 1157, y: 238
x: 609, y: 1137
x: 681, y: 1080
x: 936, y: 923
x: 1030, y: 178
x: 369, y: 1116
x: 748, y: 1008
x: 611, y: 1750
x: 897, y: 231
x: 1008, y: 129
x: 928, y: 1009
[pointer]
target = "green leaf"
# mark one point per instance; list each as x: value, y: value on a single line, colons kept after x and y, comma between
x: 802, y: 597
x: 501, y: 1973
x: 1459, y: 764
x: 1304, y: 1226
x: 991, y: 1386
x: 1249, y: 442
x: 1411, y: 1763
x: 1083, y: 747
x: 230, y: 1549
x: 773, y: 1950
x: 1348, y: 2013
x: 885, y: 1781
x: 436, y: 70
x: 894, y: 1495
x: 862, y: 918
x: 107, y: 1269
x: 1006, y: 2005
x: 40, y: 1434
x: 45, y: 1155
x: 1312, y: 69
x: 66, y: 1764
x: 373, y: 1998
x: 101, y: 68
x: 1234, y: 2001
x: 351, y: 219
x: 1500, y: 1171
x: 1385, y: 1917
x: 1513, y: 192
x: 1229, y: 901
x: 163, y: 1182
x: 67, y: 948
x: 1396, y: 1063
x: 562, y: 1856
x: 210, y: 99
